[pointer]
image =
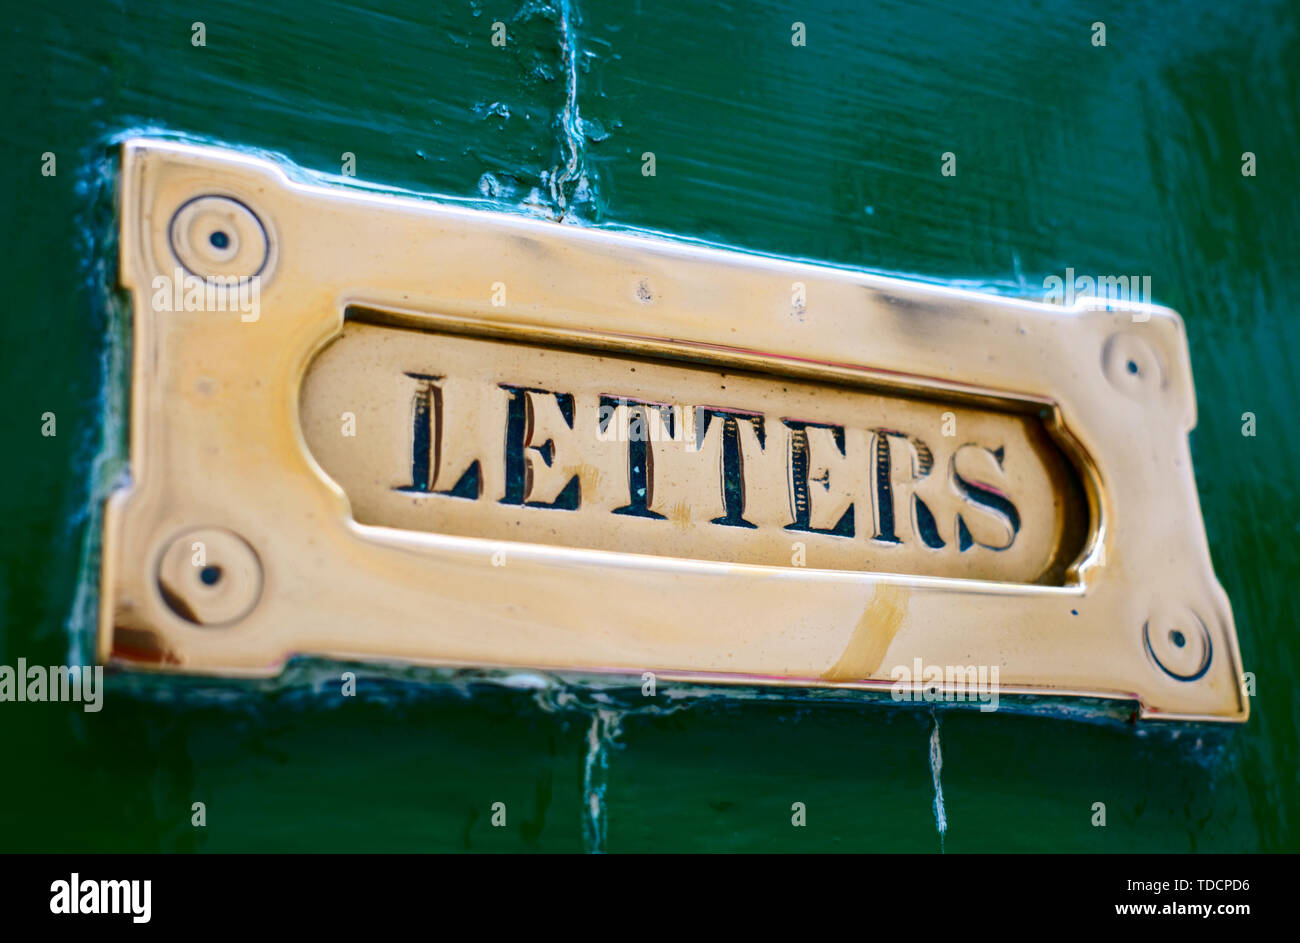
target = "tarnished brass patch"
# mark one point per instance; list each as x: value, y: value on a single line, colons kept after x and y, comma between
x: 369, y: 426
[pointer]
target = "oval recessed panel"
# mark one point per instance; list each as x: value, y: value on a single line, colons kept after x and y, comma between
x: 483, y: 437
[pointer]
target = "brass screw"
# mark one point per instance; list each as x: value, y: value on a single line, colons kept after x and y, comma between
x: 210, y: 577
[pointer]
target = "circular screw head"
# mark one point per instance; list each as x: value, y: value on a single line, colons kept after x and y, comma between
x: 217, y: 236
x: 210, y: 576
x: 1131, y: 365
x: 1178, y: 640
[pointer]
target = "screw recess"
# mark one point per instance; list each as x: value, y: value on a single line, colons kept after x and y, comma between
x: 1178, y: 641
x: 219, y: 237
x: 210, y: 577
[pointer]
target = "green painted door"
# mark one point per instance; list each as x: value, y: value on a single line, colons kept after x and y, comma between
x: 816, y: 130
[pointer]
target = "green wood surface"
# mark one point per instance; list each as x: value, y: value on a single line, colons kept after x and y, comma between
x: 1116, y: 159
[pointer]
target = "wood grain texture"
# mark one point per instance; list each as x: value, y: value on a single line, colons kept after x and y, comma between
x: 1123, y: 159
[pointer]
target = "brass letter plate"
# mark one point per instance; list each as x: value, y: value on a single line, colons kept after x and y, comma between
x: 366, y: 426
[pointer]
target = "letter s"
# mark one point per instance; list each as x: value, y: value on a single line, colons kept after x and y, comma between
x: 994, y: 521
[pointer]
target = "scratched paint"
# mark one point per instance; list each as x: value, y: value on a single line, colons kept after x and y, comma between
x: 1110, y: 161
x: 936, y: 774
